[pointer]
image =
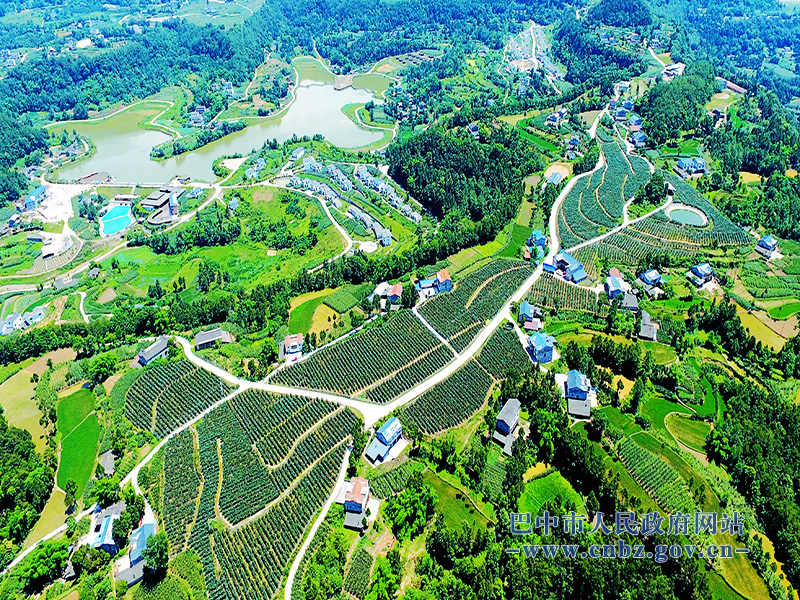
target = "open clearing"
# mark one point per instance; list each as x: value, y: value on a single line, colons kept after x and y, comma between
x: 79, y: 454
x: 542, y: 490
x: 20, y: 408
x: 689, y: 432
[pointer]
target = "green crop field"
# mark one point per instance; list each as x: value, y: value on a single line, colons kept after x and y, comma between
x: 79, y: 454
x: 785, y: 311
x: 453, y: 504
x: 689, y: 432
x: 542, y: 490
x: 73, y: 409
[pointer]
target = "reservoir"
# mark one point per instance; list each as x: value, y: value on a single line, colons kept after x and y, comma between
x: 123, y: 145
x: 687, y: 215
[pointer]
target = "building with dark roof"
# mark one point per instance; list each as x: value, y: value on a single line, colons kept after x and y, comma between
x: 506, y: 424
x: 647, y: 331
x: 355, y: 503
x: 206, y: 339
x: 157, y: 349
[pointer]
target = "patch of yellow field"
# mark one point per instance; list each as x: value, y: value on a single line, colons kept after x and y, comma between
x: 52, y: 517
x: 309, y: 296
x: 107, y: 296
x: 557, y: 168
x: 791, y: 173
x: 57, y: 356
x: 535, y: 470
x: 321, y: 316
x: 20, y: 407
x: 760, y: 330
x: 627, y: 386
x: 749, y: 177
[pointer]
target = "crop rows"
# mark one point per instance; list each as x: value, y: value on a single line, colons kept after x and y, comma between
x: 167, y: 395
x: 248, y: 485
x: 611, y: 191
x: 451, y: 401
x: 394, y: 480
x: 180, y: 489
x: 474, y: 300
x: 359, y: 361
x: 276, y: 420
x: 630, y: 247
x: 725, y: 232
x: 552, y: 292
x: 502, y: 353
x: 580, y: 216
x: 494, y: 475
x: 641, y: 175
x: 658, y: 478
x: 254, y: 556
x: 356, y: 582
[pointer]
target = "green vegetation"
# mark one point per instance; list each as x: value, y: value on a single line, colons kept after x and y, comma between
x: 79, y: 453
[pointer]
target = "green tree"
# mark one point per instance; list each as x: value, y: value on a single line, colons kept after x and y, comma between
x: 70, y: 489
x: 102, y: 367
x: 156, y: 554
x: 106, y: 492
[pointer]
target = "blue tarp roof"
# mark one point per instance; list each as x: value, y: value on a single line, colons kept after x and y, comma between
x: 768, y: 241
x: 139, y: 540
x: 576, y: 379
x: 391, y: 428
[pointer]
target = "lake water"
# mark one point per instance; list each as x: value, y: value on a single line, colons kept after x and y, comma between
x: 116, y: 219
x: 687, y: 216
x: 123, y: 148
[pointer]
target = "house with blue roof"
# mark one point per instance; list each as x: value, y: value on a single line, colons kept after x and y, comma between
x: 251, y: 173
x: 297, y: 153
x: 620, y: 114
x: 635, y: 120
x: 138, y: 541
x: 195, y: 192
x: 554, y: 178
x: 638, y: 138
x: 577, y: 390
x: 505, y: 425
x: 614, y: 287
x: 572, y: 268
x: 104, y: 538
x: 542, y: 346
x: 651, y: 277
x: 627, y: 105
x: 35, y: 198
x: 260, y: 163
x: 690, y: 166
x: 385, y: 439
x: 701, y: 274
x: 766, y: 246
x: 525, y: 312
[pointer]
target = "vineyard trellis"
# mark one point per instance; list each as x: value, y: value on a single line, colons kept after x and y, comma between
x: 451, y: 401
x: 233, y: 483
x: 394, y: 480
x: 356, y: 582
x: 657, y: 477
x: 167, y: 395
x: 459, y: 314
x: 550, y: 291
x: 502, y: 353
x: 357, y: 363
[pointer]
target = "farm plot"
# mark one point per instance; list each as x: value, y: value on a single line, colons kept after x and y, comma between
x: 450, y: 402
x: 394, y: 480
x: 400, y: 346
x: 502, y: 353
x: 460, y: 314
x: 551, y: 292
x: 581, y: 217
x: 356, y: 582
x: 658, y: 478
x: 165, y: 396
x: 248, y: 559
x: 610, y: 193
x: 180, y: 488
x: 629, y: 246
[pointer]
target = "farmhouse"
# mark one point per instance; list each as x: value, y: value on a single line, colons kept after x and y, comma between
x: 443, y: 281
x: 766, y: 246
x: 569, y: 267
x: 528, y: 312
x: 624, y: 86
x: 292, y: 347
x: 506, y: 424
x: 688, y: 168
x: 542, y: 346
x: 638, y: 139
x: 35, y: 198
x: 614, y: 287
x: 554, y: 120
x: 578, y: 389
x: 355, y: 503
x: 554, y: 178
x: 701, y: 274
x: 310, y: 165
x: 297, y: 153
x: 383, y: 235
x: 674, y: 70
x: 100, y: 535
x: 651, y: 277
x: 13, y: 322
x: 207, y: 339
x: 647, y: 330
x: 385, y: 439
x: 473, y: 130
x: 33, y: 316
x: 131, y: 568
x: 729, y: 85
x: 157, y: 349
x: 629, y: 302
x: 107, y: 461
x: 395, y: 293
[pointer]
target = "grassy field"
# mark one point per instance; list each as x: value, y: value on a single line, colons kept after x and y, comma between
x: 301, y: 317
x: 542, y: 490
x: 785, y: 311
x: 689, y: 432
x: 760, y: 331
x: 20, y: 408
x: 453, y: 504
x: 73, y: 409
x: 79, y: 454
x: 53, y: 516
x: 656, y: 408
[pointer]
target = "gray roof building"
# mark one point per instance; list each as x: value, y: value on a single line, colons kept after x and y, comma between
x: 206, y: 339
x: 157, y: 349
x: 107, y: 460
